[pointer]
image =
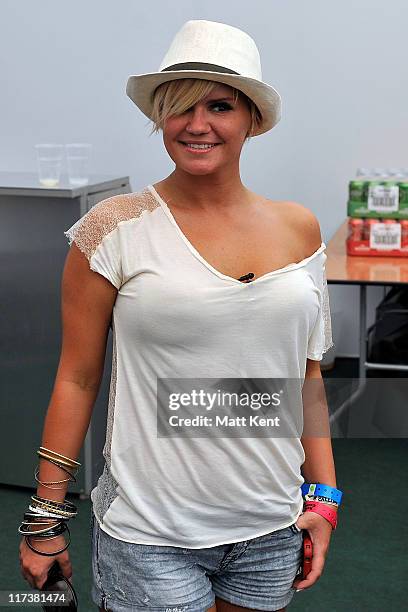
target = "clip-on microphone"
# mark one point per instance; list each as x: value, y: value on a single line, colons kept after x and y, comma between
x: 247, y: 277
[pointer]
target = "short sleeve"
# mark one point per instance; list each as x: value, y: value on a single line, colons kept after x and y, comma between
x: 101, y: 235
x: 97, y: 235
x: 321, y: 339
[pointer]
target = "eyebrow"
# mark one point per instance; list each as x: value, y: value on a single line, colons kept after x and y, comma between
x: 229, y: 99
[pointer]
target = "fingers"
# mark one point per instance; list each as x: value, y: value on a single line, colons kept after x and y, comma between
x: 66, y: 567
x: 35, y: 567
x: 318, y: 561
x: 40, y: 580
x: 320, y: 532
x: 306, y: 583
x: 35, y: 580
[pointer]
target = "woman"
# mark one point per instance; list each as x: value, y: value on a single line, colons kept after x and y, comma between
x: 201, y: 279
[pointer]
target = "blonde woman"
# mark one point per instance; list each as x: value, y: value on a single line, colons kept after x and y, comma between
x: 200, y: 278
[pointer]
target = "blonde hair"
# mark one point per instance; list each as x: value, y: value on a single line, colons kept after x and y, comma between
x: 175, y: 97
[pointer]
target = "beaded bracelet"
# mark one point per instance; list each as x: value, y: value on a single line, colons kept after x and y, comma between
x: 50, y: 512
x: 65, y: 506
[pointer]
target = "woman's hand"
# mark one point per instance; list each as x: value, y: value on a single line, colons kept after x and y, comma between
x: 34, y: 567
x: 320, y: 532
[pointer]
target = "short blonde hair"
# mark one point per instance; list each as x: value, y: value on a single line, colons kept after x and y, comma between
x: 175, y: 97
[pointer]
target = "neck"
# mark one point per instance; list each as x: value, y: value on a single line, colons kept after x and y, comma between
x: 206, y: 191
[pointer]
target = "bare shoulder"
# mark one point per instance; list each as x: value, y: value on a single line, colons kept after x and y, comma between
x: 302, y: 221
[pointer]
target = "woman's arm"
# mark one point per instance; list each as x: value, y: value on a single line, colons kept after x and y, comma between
x: 87, y: 300
x: 318, y: 467
x: 316, y: 441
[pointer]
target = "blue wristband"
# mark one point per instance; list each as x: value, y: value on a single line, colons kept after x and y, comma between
x: 322, y: 489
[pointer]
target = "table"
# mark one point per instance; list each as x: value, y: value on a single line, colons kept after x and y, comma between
x: 33, y: 250
x: 343, y: 269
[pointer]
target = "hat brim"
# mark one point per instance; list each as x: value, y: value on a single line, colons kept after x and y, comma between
x: 140, y: 89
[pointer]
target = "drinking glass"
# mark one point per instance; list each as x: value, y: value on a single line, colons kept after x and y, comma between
x: 78, y: 156
x: 49, y: 160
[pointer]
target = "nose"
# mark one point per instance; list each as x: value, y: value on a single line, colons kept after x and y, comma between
x: 198, y: 121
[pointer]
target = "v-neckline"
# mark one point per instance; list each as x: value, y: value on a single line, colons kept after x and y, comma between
x: 193, y: 250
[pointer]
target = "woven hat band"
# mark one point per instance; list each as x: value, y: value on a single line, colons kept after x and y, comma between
x: 199, y: 66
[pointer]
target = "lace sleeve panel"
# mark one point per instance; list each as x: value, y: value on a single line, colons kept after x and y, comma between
x: 327, y: 327
x: 96, y: 235
x: 321, y: 339
x: 89, y: 231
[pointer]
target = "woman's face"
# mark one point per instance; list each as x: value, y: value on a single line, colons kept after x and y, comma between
x: 215, y: 120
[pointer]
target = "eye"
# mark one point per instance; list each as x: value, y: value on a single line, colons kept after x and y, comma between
x: 222, y: 105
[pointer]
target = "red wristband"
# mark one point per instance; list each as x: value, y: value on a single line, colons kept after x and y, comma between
x: 324, y: 510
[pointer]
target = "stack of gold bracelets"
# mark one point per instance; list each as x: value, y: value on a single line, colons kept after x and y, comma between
x: 46, y: 518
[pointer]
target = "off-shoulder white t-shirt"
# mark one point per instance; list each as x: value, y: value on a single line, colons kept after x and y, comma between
x: 176, y: 316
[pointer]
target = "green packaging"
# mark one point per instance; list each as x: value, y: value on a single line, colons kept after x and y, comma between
x: 373, y: 198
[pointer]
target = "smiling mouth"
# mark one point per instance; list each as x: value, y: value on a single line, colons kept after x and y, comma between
x: 200, y: 148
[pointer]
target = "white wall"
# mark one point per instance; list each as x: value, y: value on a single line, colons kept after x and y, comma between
x: 339, y: 66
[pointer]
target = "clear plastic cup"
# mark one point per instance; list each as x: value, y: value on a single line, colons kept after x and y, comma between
x: 49, y: 160
x: 380, y: 173
x: 362, y: 172
x: 78, y: 157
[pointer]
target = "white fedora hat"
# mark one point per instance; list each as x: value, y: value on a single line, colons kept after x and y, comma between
x: 215, y: 52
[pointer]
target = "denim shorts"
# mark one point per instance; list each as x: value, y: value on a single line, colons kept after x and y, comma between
x: 256, y: 573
